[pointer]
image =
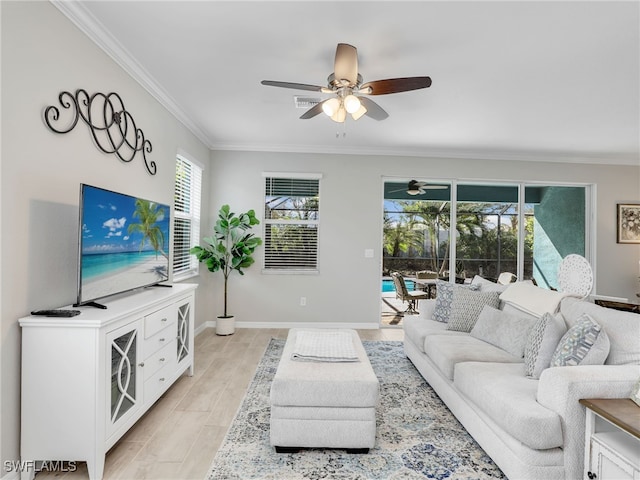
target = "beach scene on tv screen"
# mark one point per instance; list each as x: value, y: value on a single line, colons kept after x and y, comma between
x: 124, y: 243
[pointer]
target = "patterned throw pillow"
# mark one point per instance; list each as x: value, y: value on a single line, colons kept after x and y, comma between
x: 541, y: 343
x: 444, y: 297
x: 586, y: 343
x: 467, y: 306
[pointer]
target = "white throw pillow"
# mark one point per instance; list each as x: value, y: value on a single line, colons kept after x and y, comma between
x: 508, y: 332
x: 531, y: 299
x: 541, y: 343
x: 488, y: 285
x: 586, y: 343
x: 466, y: 307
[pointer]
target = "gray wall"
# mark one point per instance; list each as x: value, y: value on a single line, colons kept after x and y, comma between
x: 347, y: 287
x: 43, y: 54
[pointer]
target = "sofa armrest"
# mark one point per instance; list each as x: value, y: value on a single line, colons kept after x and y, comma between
x: 560, y: 388
x: 426, y: 308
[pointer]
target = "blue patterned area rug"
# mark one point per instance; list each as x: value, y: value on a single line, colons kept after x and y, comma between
x: 417, y: 436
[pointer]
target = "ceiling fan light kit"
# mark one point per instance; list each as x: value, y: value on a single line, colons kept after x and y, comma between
x: 345, y: 83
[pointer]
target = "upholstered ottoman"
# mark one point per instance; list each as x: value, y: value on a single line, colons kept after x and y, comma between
x: 324, y: 404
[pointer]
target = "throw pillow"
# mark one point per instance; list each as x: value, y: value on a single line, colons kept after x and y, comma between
x: 541, y: 343
x: 586, y: 343
x: 508, y: 332
x: 466, y: 307
x: 444, y: 297
x: 531, y: 299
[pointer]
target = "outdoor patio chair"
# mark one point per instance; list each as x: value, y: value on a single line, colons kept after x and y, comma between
x: 411, y: 297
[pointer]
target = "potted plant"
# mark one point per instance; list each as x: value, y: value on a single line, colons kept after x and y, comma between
x: 230, y: 248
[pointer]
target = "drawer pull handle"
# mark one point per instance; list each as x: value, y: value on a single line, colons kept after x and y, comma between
x: 141, y: 364
x: 163, y: 320
x: 592, y: 475
x: 162, y: 359
x: 161, y: 379
x: 162, y: 339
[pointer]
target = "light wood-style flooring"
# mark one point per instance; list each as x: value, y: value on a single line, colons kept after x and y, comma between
x: 179, y: 436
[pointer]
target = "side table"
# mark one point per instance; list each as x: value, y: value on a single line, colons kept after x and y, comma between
x: 612, y: 439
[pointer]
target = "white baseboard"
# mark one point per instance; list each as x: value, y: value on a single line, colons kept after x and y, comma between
x: 203, y: 327
x: 355, y: 326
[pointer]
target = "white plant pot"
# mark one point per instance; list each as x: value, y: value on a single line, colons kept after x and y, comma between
x: 226, y: 325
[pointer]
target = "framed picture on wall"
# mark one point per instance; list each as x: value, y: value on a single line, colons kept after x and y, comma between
x: 629, y: 223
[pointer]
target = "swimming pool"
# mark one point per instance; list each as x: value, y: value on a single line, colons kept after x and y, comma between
x: 387, y: 285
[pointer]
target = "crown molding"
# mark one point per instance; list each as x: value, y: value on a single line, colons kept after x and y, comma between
x: 92, y: 28
x: 597, y: 158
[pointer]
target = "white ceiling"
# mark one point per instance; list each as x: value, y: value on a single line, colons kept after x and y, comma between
x: 511, y: 79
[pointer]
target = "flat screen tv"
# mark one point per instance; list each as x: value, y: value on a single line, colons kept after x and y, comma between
x: 124, y: 244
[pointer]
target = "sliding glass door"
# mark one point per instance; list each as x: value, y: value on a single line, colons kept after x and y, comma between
x: 462, y: 229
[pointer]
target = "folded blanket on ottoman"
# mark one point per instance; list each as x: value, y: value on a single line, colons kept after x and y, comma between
x: 323, y: 346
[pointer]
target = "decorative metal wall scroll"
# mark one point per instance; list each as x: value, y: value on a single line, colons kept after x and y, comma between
x: 111, y: 125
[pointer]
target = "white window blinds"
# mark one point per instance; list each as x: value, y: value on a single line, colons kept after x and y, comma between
x: 186, y: 219
x: 291, y: 222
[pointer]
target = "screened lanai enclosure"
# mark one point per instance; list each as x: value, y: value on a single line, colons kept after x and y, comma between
x: 459, y: 230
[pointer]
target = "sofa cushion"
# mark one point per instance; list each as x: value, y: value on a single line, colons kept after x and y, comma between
x: 445, y: 351
x: 541, y: 343
x: 444, y: 298
x: 532, y: 299
x: 416, y: 329
x: 505, y: 331
x: 466, y: 308
x: 504, y: 394
x: 586, y: 343
x: 623, y: 329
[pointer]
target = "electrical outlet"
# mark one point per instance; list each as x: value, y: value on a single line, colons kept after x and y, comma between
x: 303, y: 301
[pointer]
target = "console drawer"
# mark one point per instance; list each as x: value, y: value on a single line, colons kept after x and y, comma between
x: 158, y: 382
x: 159, y: 359
x: 158, y: 320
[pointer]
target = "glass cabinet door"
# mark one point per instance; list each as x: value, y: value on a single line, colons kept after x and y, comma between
x: 184, y: 312
x: 124, y: 379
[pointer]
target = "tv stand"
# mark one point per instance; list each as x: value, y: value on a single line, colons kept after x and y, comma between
x: 100, y: 371
x: 91, y: 304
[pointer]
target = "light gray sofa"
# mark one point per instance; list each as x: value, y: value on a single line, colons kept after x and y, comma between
x: 531, y: 428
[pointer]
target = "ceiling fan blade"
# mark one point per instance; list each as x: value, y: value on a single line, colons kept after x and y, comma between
x: 434, y: 187
x: 296, y: 86
x: 313, y: 111
x: 346, y: 64
x: 396, y: 85
x: 374, y: 110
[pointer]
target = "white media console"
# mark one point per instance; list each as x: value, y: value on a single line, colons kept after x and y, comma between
x: 87, y: 379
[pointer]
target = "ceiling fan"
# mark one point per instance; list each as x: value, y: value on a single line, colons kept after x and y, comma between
x: 349, y: 93
x: 418, y: 188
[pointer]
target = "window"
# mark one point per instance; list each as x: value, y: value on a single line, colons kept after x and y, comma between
x: 186, y: 219
x: 291, y: 221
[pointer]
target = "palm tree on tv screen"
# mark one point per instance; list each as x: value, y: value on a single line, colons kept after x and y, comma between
x: 149, y: 214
